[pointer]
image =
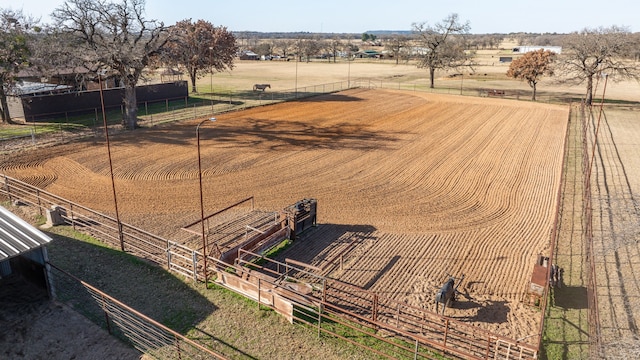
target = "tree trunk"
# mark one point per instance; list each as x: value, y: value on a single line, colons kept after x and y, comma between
x: 432, y: 75
x: 533, y: 95
x: 4, y: 107
x: 589, y: 98
x: 192, y: 75
x: 130, y: 120
x: 193, y: 83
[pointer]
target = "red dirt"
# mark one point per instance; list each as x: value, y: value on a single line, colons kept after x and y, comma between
x: 436, y: 184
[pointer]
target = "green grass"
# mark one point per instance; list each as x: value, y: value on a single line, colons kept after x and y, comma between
x: 39, y: 129
x: 565, y: 334
x: 214, y: 316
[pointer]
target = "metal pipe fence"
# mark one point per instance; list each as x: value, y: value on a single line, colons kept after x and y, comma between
x: 415, y: 325
x: 143, y: 333
x: 380, y: 312
x: 424, y: 329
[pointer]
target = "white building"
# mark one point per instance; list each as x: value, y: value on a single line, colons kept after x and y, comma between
x: 529, y: 48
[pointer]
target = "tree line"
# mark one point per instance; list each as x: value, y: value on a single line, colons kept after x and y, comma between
x: 93, y: 39
x: 113, y: 38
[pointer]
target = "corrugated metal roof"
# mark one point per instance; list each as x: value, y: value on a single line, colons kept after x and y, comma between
x: 17, y: 236
x: 33, y: 88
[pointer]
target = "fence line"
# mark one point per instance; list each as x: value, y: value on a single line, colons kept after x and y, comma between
x: 184, y: 108
x: 554, y: 232
x: 586, y: 117
x: 419, y: 326
x: 145, y: 334
x: 178, y: 258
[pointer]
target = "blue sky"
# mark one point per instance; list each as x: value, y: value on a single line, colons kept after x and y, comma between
x: 358, y: 16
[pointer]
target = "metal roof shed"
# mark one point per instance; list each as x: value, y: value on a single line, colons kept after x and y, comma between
x: 22, y: 249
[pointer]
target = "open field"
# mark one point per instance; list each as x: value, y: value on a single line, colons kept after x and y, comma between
x: 432, y: 184
x: 489, y: 74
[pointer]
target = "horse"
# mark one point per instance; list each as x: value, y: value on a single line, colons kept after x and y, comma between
x: 261, y: 87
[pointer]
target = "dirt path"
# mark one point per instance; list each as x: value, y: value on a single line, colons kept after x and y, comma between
x: 434, y: 184
x: 616, y: 220
x: 37, y: 328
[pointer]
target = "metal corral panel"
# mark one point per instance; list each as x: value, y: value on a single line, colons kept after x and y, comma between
x: 17, y: 236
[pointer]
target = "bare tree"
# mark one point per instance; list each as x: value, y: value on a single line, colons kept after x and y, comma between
x: 285, y: 46
x: 264, y: 48
x: 307, y: 47
x: 531, y: 67
x: 596, y: 52
x: 396, y: 45
x: 443, y: 45
x: 334, y: 46
x: 200, y: 48
x: 15, y: 40
x: 114, y: 36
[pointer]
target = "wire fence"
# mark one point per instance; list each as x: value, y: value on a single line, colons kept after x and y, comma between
x: 65, y: 126
x: 164, y: 252
x: 592, y: 296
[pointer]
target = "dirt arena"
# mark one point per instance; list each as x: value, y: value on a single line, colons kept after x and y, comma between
x: 429, y: 184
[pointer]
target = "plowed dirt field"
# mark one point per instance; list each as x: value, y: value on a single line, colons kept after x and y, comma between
x: 421, y: 184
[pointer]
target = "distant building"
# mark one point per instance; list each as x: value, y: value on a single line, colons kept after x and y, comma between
x: 529, y: 48
x: 368, y: 54
x: 23, y: 256
x: 249, y: 55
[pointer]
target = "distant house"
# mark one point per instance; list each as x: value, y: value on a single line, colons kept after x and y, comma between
x: 80, y: 78
x: 249, y: 55
x: 526, y: 49
x: 368, y: 54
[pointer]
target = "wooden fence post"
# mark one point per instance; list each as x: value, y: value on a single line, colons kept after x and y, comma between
x: 121, y: 235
